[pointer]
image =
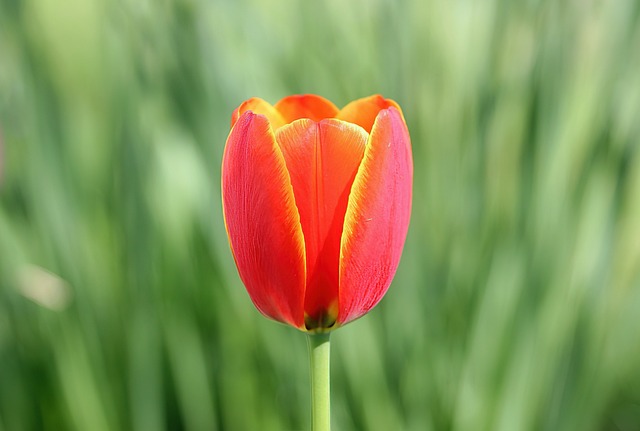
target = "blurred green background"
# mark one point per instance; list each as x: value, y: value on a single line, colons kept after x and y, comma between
x: 517, y: 302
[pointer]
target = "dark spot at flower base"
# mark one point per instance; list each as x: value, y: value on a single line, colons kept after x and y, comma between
x: 322, y: 323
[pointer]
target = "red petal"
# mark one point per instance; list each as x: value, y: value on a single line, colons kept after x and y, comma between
x: 377, y: 217
x: 262, y: 220
x: 322, y: 159
x: 259, y: 106
x: 363, y: 112
x: 309, y: 106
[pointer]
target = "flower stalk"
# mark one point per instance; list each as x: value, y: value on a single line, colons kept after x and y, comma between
x: 319, y: 356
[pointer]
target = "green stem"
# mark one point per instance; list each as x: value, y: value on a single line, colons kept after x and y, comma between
x: 320, y: 394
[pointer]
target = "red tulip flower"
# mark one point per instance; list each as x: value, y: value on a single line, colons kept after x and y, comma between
x: 317, y: 203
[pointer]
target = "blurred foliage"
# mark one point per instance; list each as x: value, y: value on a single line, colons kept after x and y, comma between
x: 516, y: 305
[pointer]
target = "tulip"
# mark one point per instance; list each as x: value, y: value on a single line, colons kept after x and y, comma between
x: 316, y: 202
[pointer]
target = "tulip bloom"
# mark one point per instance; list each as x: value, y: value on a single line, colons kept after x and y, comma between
x: 317, y: 203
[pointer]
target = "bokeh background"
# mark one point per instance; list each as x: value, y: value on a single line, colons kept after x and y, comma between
x: 517, y: 302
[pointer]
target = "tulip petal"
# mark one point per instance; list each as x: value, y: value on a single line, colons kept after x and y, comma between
x: 309, y: 106
x: 262, y: 220
x: 322, y: 159
x: 377, y: 217
x: 363, y: 112
x: 262, y: 107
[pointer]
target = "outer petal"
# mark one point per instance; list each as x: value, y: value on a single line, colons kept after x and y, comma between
x: 259, y: 106
x: 363, y: 112
x: 309, y: 106
x: 262, y: 220
x: 323, y: 159
x: 377, y: 218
